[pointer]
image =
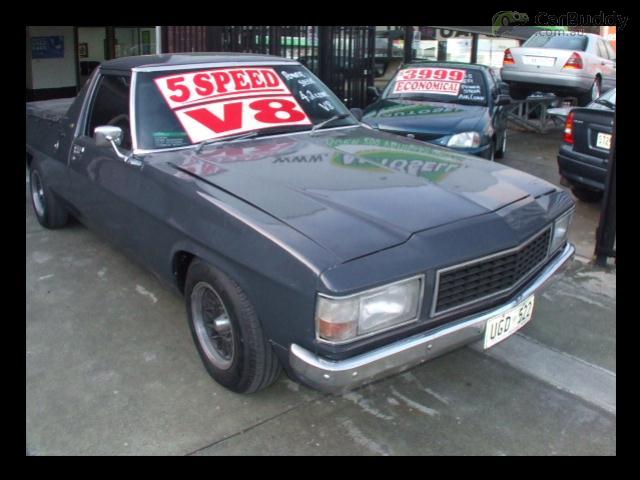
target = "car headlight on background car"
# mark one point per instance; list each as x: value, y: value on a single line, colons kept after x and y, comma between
x: 464, y: 140
x: 560, y: 230
x: 339, y: 320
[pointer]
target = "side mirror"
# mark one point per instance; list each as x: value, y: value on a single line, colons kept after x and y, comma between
x: 110, y: 135
x: 504, y: 88
x: 106, y: 134
x: 358, y: 113
x: 503, y: 100
x: 374, y: 92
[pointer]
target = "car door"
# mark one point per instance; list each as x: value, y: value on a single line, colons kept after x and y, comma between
x: 103, y: 186
x: 606, y: 66
x: 612, y: 58
x: 498, y: 112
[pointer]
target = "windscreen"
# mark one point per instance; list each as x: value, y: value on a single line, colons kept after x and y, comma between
x: 439, y: 84
x: 559, y: 41
x: 185, y: 107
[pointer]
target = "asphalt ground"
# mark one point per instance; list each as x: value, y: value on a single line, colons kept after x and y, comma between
x: 111, y: 368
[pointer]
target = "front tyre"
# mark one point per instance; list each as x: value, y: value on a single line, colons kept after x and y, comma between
x: 227, y: 332
x: 503, y: 146
x: 49, y: 211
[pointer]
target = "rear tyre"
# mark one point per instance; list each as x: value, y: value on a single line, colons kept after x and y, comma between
x: 590, y: 95
x: 517, y: 93
x: 586, y: 195
x: 49, y: 211
x: 227, y: 332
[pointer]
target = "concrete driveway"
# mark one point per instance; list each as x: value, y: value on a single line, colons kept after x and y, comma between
x: 111, y: 369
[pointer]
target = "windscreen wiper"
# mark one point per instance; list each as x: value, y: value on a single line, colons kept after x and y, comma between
x: 238, y: 136
x: 328, y: 121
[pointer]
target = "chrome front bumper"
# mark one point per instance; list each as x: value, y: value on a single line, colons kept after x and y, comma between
x: 337, y: 376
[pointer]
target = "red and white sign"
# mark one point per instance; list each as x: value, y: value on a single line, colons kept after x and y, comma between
x: 446, y: 81
x: 217, y: 103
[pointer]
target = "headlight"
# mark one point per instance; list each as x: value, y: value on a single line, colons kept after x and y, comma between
x: 339, y: 320
x: 464, y: 140
x: 560, y: 230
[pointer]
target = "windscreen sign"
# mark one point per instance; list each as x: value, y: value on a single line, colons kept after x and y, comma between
x: 445, y: 81
x: 221, y: 102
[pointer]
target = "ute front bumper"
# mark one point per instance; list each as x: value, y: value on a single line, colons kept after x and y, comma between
x: 338, y: 376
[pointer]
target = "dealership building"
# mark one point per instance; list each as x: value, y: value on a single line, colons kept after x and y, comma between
x: 59, y: 59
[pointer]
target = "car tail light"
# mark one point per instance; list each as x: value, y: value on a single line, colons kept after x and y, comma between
x: 568, y: 129
x: 575, y: 61
x: 508, y: 57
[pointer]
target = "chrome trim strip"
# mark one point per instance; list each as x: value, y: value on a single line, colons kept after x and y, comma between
x: 132, y: 112
x: 164, y: 68
x: 436, y: 287
x: 422, y: 278
x: 338, y: 376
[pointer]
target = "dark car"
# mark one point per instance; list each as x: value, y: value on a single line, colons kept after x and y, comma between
x: 298, y: 237
x: 455, y: 105
x: 584, y: 155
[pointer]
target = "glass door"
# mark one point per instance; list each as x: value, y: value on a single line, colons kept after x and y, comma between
x: 131, y: 41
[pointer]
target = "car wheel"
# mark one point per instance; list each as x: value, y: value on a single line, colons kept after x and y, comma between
x: 227, y: 332
x: 48, y: 209
x: 503, y: 148
x: 590, y: 95
x: 517, y: 93
x: 492, y: 152
x: 586, y: 195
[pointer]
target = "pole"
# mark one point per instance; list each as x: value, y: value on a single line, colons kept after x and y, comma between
x: 474, y: 47
x: 408, y: 44
x: 606, y: 232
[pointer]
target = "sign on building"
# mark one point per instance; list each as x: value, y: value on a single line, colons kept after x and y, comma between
x: 47, y: 47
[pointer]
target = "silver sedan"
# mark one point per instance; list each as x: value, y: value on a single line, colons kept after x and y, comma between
x: 575, y: 64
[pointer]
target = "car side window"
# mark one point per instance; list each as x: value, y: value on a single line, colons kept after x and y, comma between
x: 602, y: 50
x: 611, y: 50
x: 111, y: 106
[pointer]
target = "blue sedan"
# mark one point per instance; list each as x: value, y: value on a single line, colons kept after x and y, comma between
x: 455, y: 105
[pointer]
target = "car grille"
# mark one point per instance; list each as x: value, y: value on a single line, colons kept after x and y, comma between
x: 477, y: 280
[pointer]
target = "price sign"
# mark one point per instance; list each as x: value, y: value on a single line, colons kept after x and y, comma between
x: 446, y: 81
x: 221, y: 102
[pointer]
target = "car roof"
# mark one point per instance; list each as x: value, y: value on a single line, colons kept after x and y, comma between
x: 182, y: 59
x: 445, y: 64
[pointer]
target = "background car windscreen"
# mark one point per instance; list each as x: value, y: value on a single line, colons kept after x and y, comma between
x: 158, y: 122
x: 555, y: 40
x: 472, y: 90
